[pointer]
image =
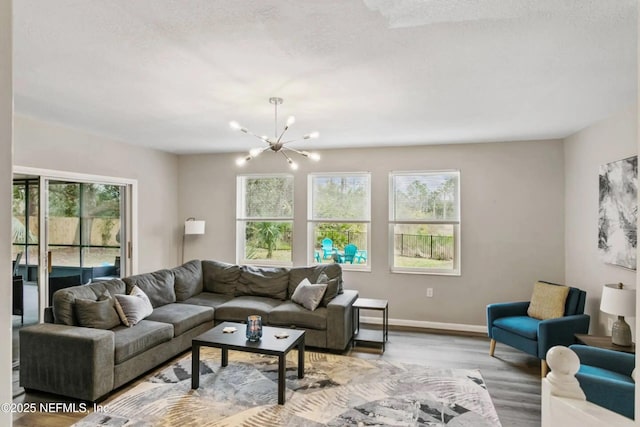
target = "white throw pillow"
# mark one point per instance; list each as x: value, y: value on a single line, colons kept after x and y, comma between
x: 134, y: 307
x: 308, y: 295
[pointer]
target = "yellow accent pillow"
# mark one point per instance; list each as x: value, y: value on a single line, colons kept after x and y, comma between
x: 547, y: 301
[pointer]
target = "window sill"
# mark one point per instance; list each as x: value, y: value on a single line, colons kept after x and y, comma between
x: 261, y: 263
x: 455, y: 273
x: 349, y: 267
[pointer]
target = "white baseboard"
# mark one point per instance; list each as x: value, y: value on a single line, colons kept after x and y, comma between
x: 426, y: 325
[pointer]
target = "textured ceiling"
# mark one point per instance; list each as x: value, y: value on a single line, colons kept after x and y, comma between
x: 172, y: 74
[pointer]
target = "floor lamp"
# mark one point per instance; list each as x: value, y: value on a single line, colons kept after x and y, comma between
x: 191, y: 226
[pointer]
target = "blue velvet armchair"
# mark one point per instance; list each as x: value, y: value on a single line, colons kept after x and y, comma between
x: 509, y: 324
x: 605, y: 378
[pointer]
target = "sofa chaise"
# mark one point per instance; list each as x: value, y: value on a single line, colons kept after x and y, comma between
x: 82, y: 353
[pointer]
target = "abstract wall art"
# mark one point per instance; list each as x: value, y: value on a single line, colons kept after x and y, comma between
x: 618, y: 212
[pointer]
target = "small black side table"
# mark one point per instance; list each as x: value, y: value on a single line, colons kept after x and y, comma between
x: 601, y: 341
x: 371, y: 335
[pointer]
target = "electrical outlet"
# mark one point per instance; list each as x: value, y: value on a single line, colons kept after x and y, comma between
x: 429, y: 292
x: 609, y: 324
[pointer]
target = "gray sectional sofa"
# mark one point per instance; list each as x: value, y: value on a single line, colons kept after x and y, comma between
x: 69, y: 359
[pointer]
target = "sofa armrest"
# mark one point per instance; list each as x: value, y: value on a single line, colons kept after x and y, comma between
x: 505, y: 309
x: 67, y: 360
x: 560, y: 331
x: 340, y: 320
x: 616, y: 361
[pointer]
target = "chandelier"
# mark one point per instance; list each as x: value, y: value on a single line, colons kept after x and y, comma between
x: 276, y: 144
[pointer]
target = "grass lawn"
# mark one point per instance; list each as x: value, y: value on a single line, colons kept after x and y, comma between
x: 402, y: 261
x: 277, y: 255
x: 411, y: 262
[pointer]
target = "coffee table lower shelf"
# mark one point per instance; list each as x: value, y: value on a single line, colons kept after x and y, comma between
x: 268, y: 345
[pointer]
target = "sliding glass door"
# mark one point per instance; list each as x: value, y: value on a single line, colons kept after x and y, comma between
x: 85, y: 229
x: 69, y: 229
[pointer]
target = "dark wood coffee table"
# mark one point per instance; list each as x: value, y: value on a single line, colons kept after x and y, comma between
x: 269, y: 345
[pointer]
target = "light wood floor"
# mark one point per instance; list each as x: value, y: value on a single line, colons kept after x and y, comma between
x: 512, y: 377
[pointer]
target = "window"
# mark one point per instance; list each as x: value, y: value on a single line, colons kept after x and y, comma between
x: 264, y: 219
x: 339, y: 218
x: 424, y: 222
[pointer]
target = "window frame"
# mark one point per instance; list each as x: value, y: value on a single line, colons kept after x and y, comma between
x: 311, y: 221
x: 242, y: 220
x: 456, y: 223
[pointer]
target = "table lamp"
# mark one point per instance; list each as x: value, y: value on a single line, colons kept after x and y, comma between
x: 620, y: 301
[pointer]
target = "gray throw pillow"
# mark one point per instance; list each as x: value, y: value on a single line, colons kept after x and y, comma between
x: 188, y: 280
x: 100, y: 314
x: 308, y: 295
x: 334, y: 271
x: 134, y: 307
x: 332, y: 288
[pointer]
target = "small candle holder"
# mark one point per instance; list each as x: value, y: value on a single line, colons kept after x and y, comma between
x: 254, y: 328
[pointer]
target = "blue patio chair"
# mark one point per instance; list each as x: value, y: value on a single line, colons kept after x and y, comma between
x: 350, y: 252
x: 327, y: 248
x: 361, y: 256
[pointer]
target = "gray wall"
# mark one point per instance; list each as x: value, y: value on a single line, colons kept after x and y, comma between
x: 612, y: 139
x: 6, y: 111
x: 44, y: 145
x: 512, y: 221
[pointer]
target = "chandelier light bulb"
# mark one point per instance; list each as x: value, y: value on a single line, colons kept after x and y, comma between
x: 240, y: 161
x: 294, y: 165
x: 291, y: 120
x: 312, y: 135
x: 255, y: 152
x: 314, y: 156
x: 235, y: 125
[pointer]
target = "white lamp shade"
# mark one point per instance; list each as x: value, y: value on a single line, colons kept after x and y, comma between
x: 620, y: 302
x: 194, y: 227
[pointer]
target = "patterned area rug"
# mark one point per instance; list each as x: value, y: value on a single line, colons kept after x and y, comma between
x: 336, y: 391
